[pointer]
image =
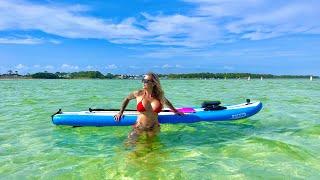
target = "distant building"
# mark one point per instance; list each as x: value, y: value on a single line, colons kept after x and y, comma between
x: 10, y: 75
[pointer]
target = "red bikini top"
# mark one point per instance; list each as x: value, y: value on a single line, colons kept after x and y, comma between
x: 141, y: 108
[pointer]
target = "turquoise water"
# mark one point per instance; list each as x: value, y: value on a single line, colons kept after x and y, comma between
x: 282, y: 141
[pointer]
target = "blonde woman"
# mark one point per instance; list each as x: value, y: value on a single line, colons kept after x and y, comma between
x: 150, y: 101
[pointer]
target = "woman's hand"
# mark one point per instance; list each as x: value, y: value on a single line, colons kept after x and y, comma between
x: 118, y: 116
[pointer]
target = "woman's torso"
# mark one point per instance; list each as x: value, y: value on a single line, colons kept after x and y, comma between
x: 148, y: 108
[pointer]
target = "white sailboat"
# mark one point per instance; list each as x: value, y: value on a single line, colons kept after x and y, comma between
x: 310, y: 78
x: 249, y: 78
x: 261, y: 78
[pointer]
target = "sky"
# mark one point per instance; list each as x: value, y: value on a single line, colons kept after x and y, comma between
x: 164, y: 36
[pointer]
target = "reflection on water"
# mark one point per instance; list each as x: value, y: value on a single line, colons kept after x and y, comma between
x: 145, y: 157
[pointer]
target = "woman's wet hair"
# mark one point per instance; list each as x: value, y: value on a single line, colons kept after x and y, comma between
x: 157, y: 89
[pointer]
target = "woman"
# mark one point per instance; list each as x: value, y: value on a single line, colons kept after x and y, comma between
x: 150, y: 101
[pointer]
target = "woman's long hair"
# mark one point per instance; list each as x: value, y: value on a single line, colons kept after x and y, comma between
x: 157, y: 91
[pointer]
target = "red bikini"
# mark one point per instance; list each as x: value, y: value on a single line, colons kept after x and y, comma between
x: 141, y: 108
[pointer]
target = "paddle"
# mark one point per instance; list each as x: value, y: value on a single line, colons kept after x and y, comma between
x: 184, y: 110
x: 91, y: 110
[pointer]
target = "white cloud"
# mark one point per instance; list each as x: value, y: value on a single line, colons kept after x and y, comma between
x: 166, y: 66
x: 170, y: 30
x: 180, y: 30
x: 65, y: 66
x: 13, y: 40
x: 20, y: 66
x: 36, y: 66
x: 209, y: 23
x: 89, y: 67
x: 69, y: 67
x: 27, y: 40
x: 111, y: 66
x: 259, y: 19
x: 64, y: 21
x: 54, y: 41
x: 49, y: 67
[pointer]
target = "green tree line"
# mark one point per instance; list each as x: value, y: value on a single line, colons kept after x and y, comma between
x: 99, y: 75
x: 73, y: 75
x: 229, y: 76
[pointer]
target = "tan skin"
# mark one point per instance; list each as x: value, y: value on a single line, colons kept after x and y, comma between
x: 149, y: 117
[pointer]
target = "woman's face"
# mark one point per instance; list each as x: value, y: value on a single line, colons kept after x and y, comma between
x: 147, y: 82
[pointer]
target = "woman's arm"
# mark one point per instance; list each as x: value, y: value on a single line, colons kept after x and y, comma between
x: 125, y: 102
x: 169, y: 104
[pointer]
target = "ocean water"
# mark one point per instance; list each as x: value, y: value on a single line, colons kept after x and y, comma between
x: 280, y: 142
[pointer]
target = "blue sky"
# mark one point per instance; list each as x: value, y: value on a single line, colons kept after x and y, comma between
x: 256, y: 36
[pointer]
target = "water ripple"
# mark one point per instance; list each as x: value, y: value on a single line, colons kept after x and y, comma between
x: 283, y: 137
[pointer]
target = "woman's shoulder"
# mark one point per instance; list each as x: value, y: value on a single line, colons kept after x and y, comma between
x: 139, y: 92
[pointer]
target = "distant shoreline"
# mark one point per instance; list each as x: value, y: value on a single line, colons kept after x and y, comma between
x: 314, y: 78
x: 99, y: 75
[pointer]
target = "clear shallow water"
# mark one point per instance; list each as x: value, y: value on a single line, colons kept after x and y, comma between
x: 282, y: 141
